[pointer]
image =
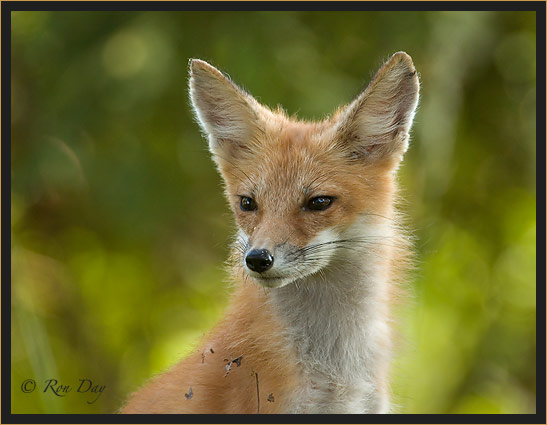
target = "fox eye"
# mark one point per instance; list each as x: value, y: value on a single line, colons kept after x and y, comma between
x: 319, y: 203
x: 248, y: 204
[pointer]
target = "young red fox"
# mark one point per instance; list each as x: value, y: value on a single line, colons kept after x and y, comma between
x: 316, y: 259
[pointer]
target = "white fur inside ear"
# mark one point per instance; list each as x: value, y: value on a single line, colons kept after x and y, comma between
x: 382, y: 115
x: 224, y: 111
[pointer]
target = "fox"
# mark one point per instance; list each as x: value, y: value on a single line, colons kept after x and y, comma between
x: 319, y: 256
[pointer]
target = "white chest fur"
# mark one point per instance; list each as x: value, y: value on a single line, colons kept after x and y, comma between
x: 337, y: 322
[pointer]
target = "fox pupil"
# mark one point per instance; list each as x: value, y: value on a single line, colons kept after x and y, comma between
x: 319, y: 203
x: 248, y: 204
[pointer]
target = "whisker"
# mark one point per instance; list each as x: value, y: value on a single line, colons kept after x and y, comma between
x: 341, y: 243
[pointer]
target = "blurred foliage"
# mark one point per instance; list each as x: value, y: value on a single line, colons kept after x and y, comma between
x: 120, y: 229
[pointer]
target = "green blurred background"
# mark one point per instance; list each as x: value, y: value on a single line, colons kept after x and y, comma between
x: 119, y: 226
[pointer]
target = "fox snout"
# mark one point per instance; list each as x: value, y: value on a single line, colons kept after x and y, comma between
x: 274, y: 265
x: 259, y: 260
x: 270, y: 266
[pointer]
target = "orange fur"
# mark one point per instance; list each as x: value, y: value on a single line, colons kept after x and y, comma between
x: 248, y: 330
x: 311, y: 334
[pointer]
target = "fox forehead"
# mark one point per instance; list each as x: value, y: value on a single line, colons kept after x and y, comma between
x: 279, y: 160
x: 295, y: 157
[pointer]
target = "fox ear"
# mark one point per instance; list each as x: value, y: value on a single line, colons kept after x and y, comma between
x: 226, y: 114
x: 375, y: 126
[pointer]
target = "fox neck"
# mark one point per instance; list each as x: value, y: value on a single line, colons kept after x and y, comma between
x: 336, y: 321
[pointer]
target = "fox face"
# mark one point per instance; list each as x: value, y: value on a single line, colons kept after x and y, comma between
x: 303, y: 194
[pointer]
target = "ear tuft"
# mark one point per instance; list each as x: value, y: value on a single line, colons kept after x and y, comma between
x: 377, y: 123
x: 198, y: 66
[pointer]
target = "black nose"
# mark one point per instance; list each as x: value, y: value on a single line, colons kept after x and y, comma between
x: 259, y: 260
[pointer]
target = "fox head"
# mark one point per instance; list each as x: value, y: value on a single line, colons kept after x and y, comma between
x: 305, y: 193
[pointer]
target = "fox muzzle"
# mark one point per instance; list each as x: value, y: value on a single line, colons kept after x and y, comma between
x: 259, y: 260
